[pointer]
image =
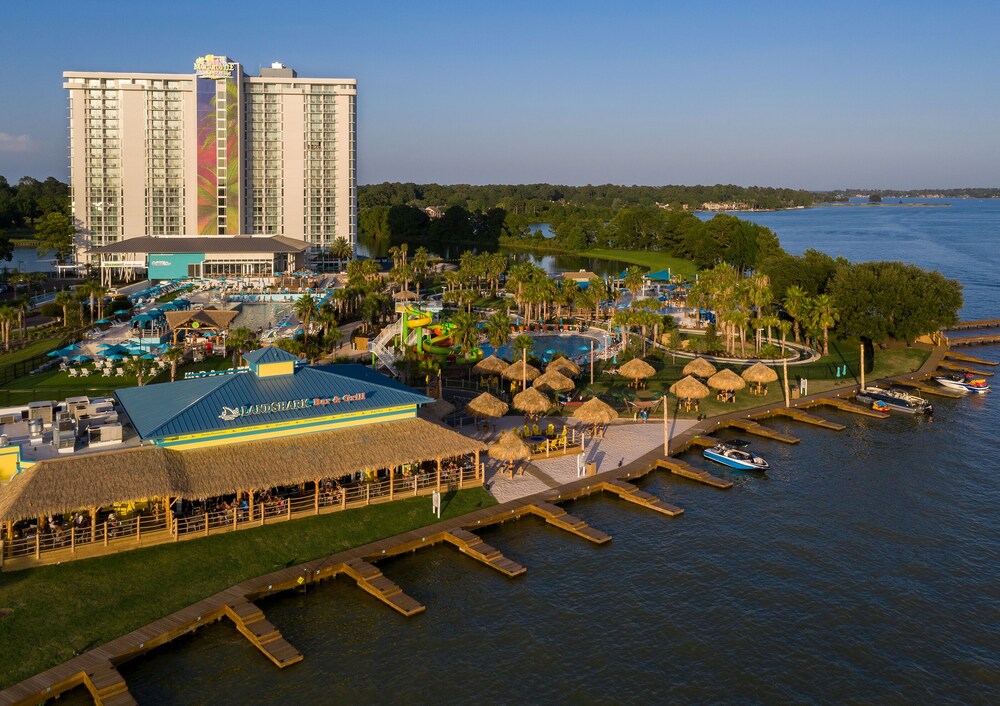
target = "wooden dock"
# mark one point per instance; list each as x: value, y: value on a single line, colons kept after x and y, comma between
x: 752, y: 427
x: 250, y: 621
x: 472, y: 545
x: 952, y: 355
x: 630, y: 493
x: 845, y: 406
x: 944, y: 365
x: 930, y: 389
x: 806, y: 418
x: 987, y: 340
x: 686, y: 470
x: 974, y: 323
x: 376, y: 583
x: 557, y: 517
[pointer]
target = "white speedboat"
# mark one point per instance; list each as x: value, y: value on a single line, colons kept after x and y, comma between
x: 964, y: 382
x: 732, y: 454
x: 894, y: 399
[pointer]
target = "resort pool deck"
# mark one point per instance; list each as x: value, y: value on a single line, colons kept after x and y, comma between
x: 572, y: 345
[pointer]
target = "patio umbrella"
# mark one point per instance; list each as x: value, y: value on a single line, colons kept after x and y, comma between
x: 71, y: 348
x: 142, y: 319
x: 121, y: 311
x: 486, y: 405
x: 595, y: 411
x: 154, y: 312
x: 726, y: 379
x: 116, y: 357
x: 531, y: 401
x: 637, y: 369
x: 80, y: 359
x: 490, y: 366
x: 689, y: 389
x: 103, y: 321
x: 699, y: 367
x: 565, y: 366
x: 510, y: 448
x: 54, y: 354
x: 148, y: 356
x: 169, y: 306
x: 553, y: 381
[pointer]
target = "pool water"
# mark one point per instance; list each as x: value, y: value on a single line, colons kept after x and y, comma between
x: 572, y: 345
x: 257, y: 315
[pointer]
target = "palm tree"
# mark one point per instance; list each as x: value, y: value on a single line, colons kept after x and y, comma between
x: 98, y: 292
x: 796, y: 304
x: 341, y: 250
x: 633, y: 280
x: 240, y: 340
x: 326, y: 317
x: 138, y: 367
x: 7, y: 318
x: 498, y: 329
x: 523, y: 344
x: 466, y: 333
x: 64, y: 299
x: 173, y: 355
x: 305, y: 309
x: 825, y: 315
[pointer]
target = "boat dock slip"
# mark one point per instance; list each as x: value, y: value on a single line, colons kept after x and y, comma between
x: 108, y: 687
x: 845, y: 406
x: 250, y: 621
x: 705, y: 440
x: 372, y: 580
x: 968, y: 358
x: 752, y: 427
x: 628, y: 491
x: 557, y: 517
x: 806, y: 418
x: 976, y: 323
x: 987, y: 340
x: 944, y: 365
x: 686, y: 470
x: 929, y: 389
x: 473, y: 545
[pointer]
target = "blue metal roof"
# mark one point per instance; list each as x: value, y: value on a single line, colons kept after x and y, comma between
x: 242, y: 399
x: 269, y: 354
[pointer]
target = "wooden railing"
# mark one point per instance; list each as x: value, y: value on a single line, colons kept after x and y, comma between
x: 74, y: 542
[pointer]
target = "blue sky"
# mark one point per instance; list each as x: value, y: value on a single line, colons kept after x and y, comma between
x: 798, y: 94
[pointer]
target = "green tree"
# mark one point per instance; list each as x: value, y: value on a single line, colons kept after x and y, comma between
x: 64, y: 299
x: 796, y: 304
x: 825, y: 315
x: 138, y: 368
x: 305, y: 309
x: 240, y: 340
x: 54, y: 232
x: 466, y: 331
x: 173, y: 355
x: 522, y: 344
x: 498, y: 329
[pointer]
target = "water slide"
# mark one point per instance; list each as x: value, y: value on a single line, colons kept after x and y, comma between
x: 436, y: 340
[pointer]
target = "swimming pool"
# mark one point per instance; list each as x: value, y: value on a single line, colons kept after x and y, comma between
x: 572, y: 345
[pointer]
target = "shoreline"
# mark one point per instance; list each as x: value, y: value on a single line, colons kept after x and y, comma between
x: 75, y: 672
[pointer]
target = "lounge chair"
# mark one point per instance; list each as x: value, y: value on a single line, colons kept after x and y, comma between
x: 535, y: 430
x: 74, y: 373
x: 551, y: 430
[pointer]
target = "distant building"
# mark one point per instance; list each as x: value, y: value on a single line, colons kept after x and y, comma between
x: 433, y: 212
x: 581, y: 277
x: 213, y: 153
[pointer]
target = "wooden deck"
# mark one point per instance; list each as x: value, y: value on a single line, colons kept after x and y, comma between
x: 752, y: 427
x: 806, y: 418
x: 472, y: 545
x: 974, y: 323
x: 845, y: 406
x: 952, y: 355
x: 944, y: 365
x: 686, y: 470
x: 962, y: 341
x: 557, y: 517
x: 630, y: 493
x: 936, y: 390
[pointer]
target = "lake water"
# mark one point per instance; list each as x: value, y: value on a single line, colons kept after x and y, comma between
x: 864, y: 567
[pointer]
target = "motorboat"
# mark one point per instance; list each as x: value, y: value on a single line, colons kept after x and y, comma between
x: 899, y: 400
x: 733, y: 454
x: 964, y: 382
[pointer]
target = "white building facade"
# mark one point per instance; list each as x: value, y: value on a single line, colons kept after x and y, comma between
x: 213, y: 153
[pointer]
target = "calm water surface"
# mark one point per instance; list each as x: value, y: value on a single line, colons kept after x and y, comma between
x: 864, y: 567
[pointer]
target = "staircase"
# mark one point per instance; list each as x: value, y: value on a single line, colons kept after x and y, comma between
x: 381, y: 346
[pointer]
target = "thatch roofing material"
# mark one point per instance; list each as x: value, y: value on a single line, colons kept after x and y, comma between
x: 510, y: 447
x: 405, y: 295
x: 637, y: 369
x: 699, y: 367
x: 565, y: 366
x: 553, y: 381
x: 726, y: 379
x: 102, y: 479
x: 517, y: 370
x: 206, y: 318
x: 759, y: 373
x: 595, y: 411
x: 438, y: 409
x: 532, y: 401
x: 690, y: 389
x: 486, y: 405
x: 490, y: 366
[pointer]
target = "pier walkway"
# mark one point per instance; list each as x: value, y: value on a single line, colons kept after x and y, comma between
x: 97, y: 668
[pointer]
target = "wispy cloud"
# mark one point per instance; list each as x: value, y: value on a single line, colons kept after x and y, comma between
x: 15, y: 143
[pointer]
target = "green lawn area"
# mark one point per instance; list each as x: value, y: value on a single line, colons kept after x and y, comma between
x: 80, y: 605
x: 646, y: 258
x: 39, y: 347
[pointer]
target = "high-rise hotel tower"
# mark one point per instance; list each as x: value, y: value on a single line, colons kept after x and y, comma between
x: 213, y: 153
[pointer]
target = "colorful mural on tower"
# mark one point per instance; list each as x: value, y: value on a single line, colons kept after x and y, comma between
x: 218, y: 179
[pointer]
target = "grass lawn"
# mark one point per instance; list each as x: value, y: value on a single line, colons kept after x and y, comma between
x: 647, y: 258
x: 39, y: 347
x: 82, y: 604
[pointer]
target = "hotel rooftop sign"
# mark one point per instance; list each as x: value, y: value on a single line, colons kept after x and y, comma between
x: 212, y: 66
x: 232, y: 413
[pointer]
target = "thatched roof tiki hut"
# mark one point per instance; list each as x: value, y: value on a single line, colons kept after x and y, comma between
x: 595, y: 411
x: 565, y: 366
x: 490, y: 365
x: 688, y: 390
x: 521, y: 371
x: 727, y: 383
x: 486, y: 405
x: 637, y: 369
x: 510, y: 448
x: 700, y: 368
x: 532, y: 402
x: 759, y: 375
x: 553, y: 381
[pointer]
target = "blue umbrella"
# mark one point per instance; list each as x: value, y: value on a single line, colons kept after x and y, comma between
x: 71, y: 347
x: 148, y: 356
x: 116, y: 357
x: 54, y: 354
x: 154, y: 312
x: 103, y: 321
x: 80, y: 359
x: 169, y: 306
x: 141, y: 318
